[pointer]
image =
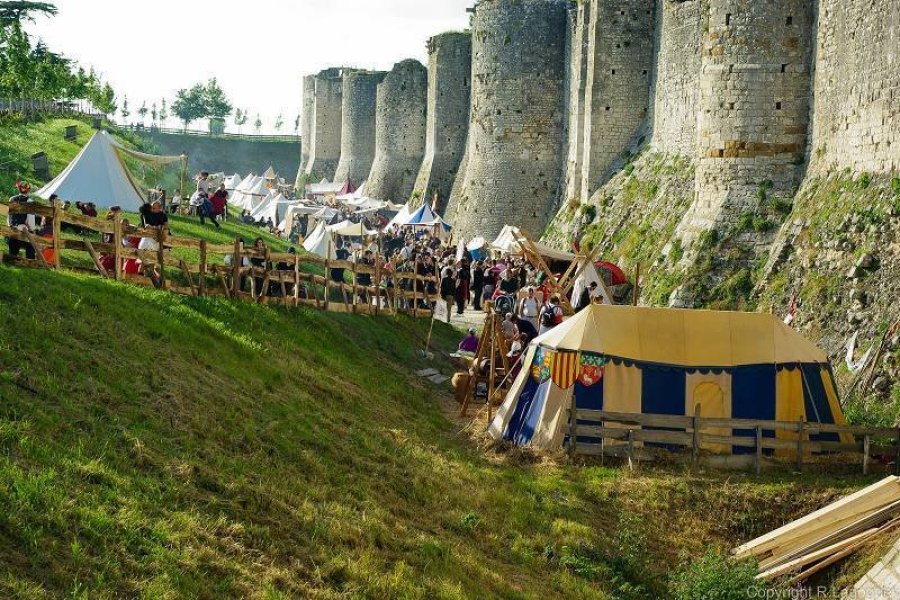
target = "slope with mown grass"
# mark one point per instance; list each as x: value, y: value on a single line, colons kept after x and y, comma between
x: 154, y: 446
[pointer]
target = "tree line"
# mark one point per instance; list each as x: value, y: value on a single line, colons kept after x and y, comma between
x: 34, y: 72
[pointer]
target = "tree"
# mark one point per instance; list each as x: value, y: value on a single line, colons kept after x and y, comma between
x: 279, y: 123
x: 190, y: 104
x: 297, y: 124
x: 142, y: 111
x: 216, y: 102
x: 257, y: 124
x: 19, y: 11
x: 240, y: 119
x: 154, y: 113
x: 104, y: 99
x: 163, y: 113
x: 125, y: 111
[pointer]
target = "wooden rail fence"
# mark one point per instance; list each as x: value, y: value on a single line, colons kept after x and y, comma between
x: 243, y: 273
x: 626, y: 430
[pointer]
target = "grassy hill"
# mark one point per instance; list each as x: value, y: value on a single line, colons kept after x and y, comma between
x: 159, y: 446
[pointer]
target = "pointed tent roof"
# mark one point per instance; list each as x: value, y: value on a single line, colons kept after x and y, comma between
x: 319, y: 242
x: 690, y: 338
x: 96, y: 175
x: 423, y: 217
x: 231, y: 183
x: 270, y: 173
x: 348, y: 188
x: 401, y: 217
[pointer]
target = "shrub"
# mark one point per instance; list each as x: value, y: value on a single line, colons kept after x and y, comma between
x: 716, y: 577
x: 629, y: 169
x: 864, y: 181
x: 895, y: 186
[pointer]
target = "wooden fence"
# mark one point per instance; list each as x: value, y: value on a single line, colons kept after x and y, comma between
x: 693, y: 434
x: 218, y: 272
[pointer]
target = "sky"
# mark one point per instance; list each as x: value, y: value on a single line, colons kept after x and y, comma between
x: 258, y: 50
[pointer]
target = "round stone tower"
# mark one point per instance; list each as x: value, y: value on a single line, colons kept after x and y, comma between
x: 399, y: 132
x: 325, y: 134
x: 449, y: 87
x: 306, y: 123
x: 358, y: 126
x: 516, y: 129
x: 754, y: 109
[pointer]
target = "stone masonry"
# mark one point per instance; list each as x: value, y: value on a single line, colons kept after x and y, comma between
x: 325, y: 129
x: 358, y: 126
x: 399, y: 132
x: 753, y: 108
x: 306, y: 123
x: 449, y: 97
x: 516, y: 130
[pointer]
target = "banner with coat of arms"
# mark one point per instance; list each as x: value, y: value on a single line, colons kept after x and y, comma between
x: 565, y: 368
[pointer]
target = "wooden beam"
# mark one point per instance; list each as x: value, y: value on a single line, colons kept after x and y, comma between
x: 90, y: 248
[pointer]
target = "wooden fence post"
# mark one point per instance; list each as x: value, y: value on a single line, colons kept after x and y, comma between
x: 758, y: 449
x: 695, y: 439
x: 117, y: 243
x: 237, y: 261
x: 800, y: 427
x: 203, y: 268
x: 630, y: 449
x: 57, y: 227
x: 161, y: 256
x: 897, y: 453
x: 355, y: 289
x: 866, y: 442
x: 296, y: 280
x: 378, y: 281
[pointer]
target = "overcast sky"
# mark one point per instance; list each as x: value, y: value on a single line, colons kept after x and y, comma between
x: 258, y: 49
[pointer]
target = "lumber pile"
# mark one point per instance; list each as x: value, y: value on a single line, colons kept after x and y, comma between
x: 814, y: 542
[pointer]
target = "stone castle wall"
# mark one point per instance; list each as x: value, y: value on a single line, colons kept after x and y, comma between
x: 617, y: 87
x: 449, y: 98
x: 325, y: 129
x: 676, y: 86
x: 306, y: 123
x: 400, y: 124
x: 516, y: 130
x: 857, y: 86
x: 748, y: 95
x: 753, y: 108
x: 360, y: 95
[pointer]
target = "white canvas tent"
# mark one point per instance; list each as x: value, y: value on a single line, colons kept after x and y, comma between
x: 349, y: 229
x: 401, y: 217
x: 507, y: 242
x: 98, y: 174
x: 320, y: 243
x: 231, y: 183
x: 588, y: 276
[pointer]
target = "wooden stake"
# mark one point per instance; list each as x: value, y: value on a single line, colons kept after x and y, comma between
x: 204, y: 267
x: 637, y: 283
x: 57, y: 234
x: 161, y: 256
x: 759, y: 449
x: 117, y: 243
x: 97, y: 264
x: 237, y: 260
x: 296, y: 280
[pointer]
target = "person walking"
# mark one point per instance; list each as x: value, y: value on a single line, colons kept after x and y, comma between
x: 551, y: 315
x: 529, y: 308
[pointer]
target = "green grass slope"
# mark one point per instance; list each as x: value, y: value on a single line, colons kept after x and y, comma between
x: 159, y: 446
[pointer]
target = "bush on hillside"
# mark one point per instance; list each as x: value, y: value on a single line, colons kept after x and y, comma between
x: 716, y: 577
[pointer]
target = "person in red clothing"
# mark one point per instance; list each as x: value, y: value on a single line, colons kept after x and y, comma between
x: 219, y: 202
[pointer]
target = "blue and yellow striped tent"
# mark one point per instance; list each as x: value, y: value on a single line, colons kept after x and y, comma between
x: 668, y: 361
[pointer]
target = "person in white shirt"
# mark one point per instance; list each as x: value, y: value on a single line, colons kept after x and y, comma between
x: 530, y: 308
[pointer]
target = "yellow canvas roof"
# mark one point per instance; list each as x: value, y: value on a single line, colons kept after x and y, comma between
x: 683, y: 337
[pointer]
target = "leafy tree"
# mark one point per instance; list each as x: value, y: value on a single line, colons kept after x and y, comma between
x: 142, y: 112
x: 297, y: 124
x: 163, y: 113
x: 105, y: 99
x: 240, y: 119
x: 125, y: 112
x: 19, y: 11
x: 279, y: 123
x: 190, y: 104
x: 258, y: 123
x: 216, y: 102
x: 154, y: 113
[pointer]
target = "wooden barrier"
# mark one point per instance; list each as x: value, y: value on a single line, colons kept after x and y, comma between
x: 231, y: 270
x: 689, y: 433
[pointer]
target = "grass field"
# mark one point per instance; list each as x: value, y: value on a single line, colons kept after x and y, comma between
x: 158, y: 446
x: 165, y: 447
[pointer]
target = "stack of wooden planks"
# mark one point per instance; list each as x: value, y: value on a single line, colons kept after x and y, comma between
x: 806, y: 546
